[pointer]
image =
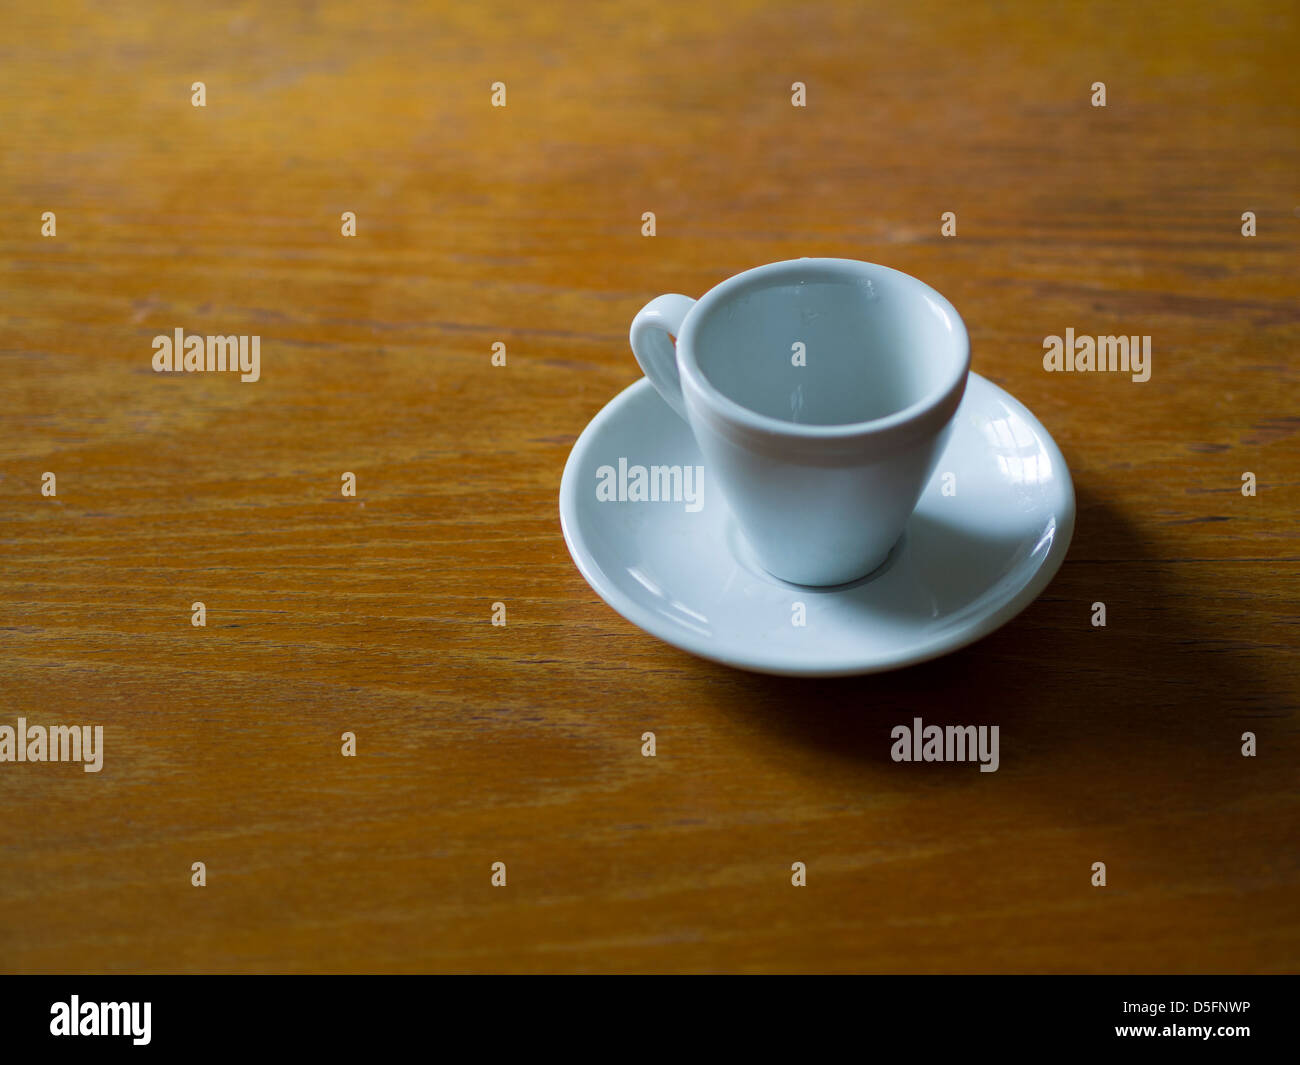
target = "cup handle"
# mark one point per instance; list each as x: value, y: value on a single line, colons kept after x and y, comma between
x: 655, y: 352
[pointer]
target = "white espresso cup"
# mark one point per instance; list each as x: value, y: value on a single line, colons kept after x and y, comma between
x: 821, y: 393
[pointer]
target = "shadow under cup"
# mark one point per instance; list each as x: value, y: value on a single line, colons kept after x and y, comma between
x: 822, y: 393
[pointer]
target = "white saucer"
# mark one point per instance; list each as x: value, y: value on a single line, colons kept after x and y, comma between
x: 968, y: 562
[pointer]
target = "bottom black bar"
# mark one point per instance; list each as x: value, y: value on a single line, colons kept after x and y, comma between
x: 1240, y: 1016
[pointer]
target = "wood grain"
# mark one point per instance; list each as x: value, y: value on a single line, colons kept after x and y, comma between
x: 522, y: 744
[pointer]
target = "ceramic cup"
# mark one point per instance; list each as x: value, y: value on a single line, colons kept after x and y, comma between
x: 821, y: 393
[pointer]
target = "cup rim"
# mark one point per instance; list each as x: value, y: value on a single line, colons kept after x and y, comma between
x: 722, y: 406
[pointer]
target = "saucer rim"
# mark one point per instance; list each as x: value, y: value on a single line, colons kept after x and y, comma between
x: 942, y: 644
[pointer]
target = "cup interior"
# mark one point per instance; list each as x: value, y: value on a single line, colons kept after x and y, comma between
x: 874, y: 342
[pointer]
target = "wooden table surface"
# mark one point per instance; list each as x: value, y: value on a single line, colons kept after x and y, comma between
x: 522, y: 743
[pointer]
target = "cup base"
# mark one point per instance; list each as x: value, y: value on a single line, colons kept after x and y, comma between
x: 746, y: 556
